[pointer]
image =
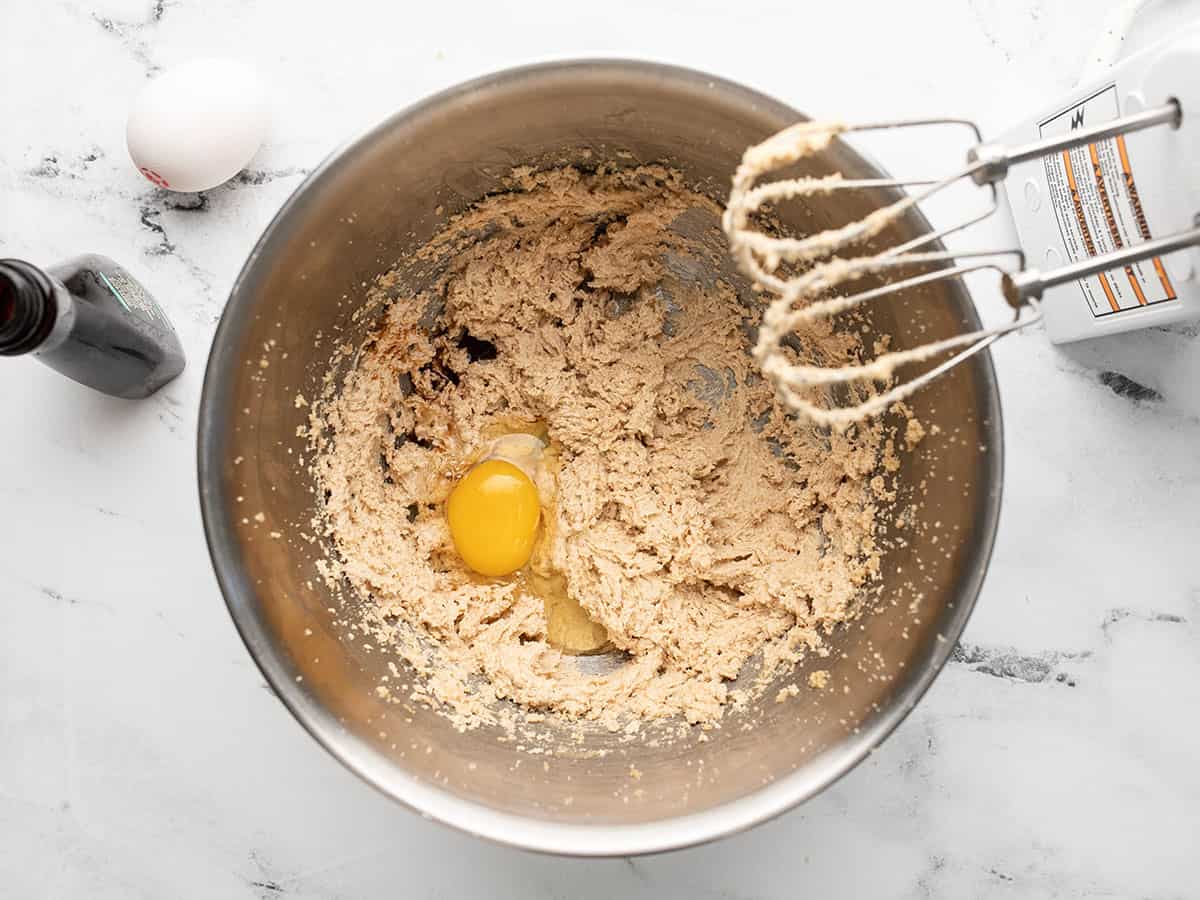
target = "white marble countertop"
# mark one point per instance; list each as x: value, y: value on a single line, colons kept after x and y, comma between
x: 142, y: 756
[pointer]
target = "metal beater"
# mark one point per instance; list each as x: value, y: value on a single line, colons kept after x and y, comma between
x: 807, y: 296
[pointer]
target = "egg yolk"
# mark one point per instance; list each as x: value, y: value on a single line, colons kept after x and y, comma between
x: 493, y: 515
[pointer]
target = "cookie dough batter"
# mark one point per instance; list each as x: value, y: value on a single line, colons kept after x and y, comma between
x: 714, y: 538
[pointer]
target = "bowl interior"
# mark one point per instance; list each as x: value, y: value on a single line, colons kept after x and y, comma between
x: 357, y: 217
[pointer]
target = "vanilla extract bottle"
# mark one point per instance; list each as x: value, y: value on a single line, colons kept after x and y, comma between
x: 90, y: 320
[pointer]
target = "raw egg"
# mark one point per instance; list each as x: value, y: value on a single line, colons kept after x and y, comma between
x: 493, y: 514
x: 198, y: 124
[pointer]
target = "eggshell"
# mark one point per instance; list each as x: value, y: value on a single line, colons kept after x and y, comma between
x: 198, y: 124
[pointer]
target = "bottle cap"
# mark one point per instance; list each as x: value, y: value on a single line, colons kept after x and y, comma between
x: 26, y: 308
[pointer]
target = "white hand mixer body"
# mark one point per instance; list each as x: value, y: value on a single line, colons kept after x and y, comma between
x: 1104, y: 189
x: 1116, y: 192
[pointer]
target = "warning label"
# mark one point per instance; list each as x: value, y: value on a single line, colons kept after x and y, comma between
x: 1095, y: 200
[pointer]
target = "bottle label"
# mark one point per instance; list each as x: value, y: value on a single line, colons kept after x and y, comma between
x: 131, y: 296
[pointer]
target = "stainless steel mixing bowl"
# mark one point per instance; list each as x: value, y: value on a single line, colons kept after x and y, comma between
x: 363, y: 209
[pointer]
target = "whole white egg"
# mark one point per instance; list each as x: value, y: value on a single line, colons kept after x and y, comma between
x: 198, y: 124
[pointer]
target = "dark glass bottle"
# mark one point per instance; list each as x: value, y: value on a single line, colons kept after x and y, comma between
x: 90, y: 320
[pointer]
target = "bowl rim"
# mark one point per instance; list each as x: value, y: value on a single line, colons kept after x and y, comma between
x: 374, y: 768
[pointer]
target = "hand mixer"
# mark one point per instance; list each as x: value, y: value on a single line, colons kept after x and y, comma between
x: 1081, y: 209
